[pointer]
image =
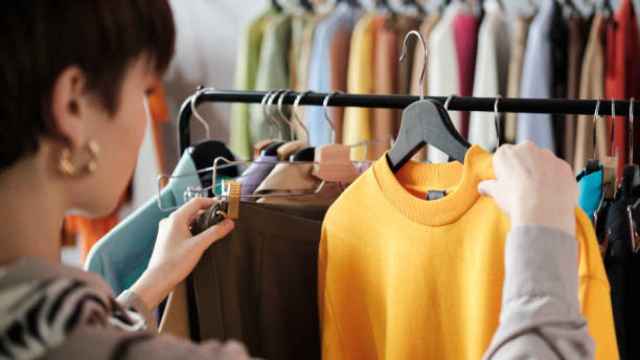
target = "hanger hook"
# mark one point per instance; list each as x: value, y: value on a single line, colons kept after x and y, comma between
x: 296, y: 106
x: 270, y: 114
x: 596, y: 115
x: 613, y: 115
x: 281, y: 111
x: 263, y: 105
x: 423, y: 73
x: 448, y: 101
x: 194, y: 99
x: 496, y: 115
x: 327, y: 117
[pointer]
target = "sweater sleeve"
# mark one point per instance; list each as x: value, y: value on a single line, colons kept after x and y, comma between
x: 541, y: 316
x: 130, y: 301
x: 105, y: 344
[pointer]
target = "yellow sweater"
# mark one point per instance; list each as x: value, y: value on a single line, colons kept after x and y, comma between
x: 405, y: 278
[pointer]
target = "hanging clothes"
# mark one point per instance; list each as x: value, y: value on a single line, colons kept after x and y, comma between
x: 516, y: 64
x: 256, y: 173
x: 338, y: 24
x: 258, y: 285
x: 465, y: 27
x: 297, y: 178
x: 123, y: 254
x: 491, y: 72
x: 592, y: 87
x: 340, y: 52
x: 357, y: 121
x: 622, y: 73
x: 578, y: 30
x: 403, y: 25
x: 623, y: 265
x: 384, y: 124
x: 273, y: 73
x: 559, y: 66
x: 418, y: 55
x: 537, y: 78
x: 444, y: 71
x: 245, y: 79
x: 590, y: 191
x: 298, y: 60
x: 426, y: 28
x: 368, y: 259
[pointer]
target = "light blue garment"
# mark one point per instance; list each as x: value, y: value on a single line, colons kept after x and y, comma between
x: 344, y: 17
x: 590, y: 188
x: 123, y: 254
x: 537, y: 78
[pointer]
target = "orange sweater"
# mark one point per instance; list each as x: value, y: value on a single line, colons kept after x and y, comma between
x: 405, y: 278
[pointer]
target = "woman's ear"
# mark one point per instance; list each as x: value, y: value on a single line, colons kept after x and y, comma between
x: 68, y: 106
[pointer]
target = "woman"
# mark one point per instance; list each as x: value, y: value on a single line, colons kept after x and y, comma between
x: 74, y: 75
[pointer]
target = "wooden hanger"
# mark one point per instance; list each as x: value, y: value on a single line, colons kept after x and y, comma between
x: 333, y: 162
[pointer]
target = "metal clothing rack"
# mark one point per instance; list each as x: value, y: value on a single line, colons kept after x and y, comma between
x: 506, y: 105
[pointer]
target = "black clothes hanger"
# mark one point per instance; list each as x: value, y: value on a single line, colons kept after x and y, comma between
x: 272, y: 149
x: 307, y: 5
x: 306, y: 154
x: 425, y: 122
x: 276, y: 6
x: 384, y: 5
x: 203, y: 155
x: 352, y: 3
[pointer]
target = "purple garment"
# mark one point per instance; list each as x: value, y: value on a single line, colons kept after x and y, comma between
x: 256, y: 173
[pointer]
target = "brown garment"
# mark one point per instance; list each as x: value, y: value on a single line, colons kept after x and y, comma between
x: 576, y: 49
x: 259, y: 284
x: 518, y: 48
x: 294, y: 179
x: 95, y: 339
x: 340, y: 50
x: 385, y: 82
x: 592, y: 87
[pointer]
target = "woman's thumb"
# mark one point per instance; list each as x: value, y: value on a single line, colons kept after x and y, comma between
x: 488, y: 188
x: 214, y: 233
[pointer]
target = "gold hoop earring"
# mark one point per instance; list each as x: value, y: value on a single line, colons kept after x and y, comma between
x: 68, y: 168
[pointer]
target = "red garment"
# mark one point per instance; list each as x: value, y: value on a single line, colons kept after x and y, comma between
x: 622, y: 78
x: 465, y: 27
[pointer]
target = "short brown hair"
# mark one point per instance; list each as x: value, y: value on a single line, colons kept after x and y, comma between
x: 39, y: 39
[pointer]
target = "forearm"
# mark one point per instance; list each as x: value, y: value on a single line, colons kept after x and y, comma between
x: 540, y: 316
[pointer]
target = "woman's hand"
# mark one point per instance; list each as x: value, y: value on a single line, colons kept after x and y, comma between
x: 177, y: 252
x: 533, y: 187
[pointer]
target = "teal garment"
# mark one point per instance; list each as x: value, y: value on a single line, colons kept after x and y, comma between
x: 273, y: 73
x: 123, y: 254
x: 590, y: 188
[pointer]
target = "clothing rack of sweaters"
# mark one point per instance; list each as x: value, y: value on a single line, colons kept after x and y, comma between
x: 505, y: 105
x: 609, y: 195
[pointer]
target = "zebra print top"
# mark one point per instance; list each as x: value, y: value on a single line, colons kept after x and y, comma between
x: 60, y: 313
x: 39, y: 315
